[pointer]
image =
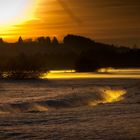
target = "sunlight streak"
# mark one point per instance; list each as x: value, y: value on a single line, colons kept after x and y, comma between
x: 102, y: 73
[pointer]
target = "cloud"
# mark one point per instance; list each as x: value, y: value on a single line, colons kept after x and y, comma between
x: 101, y: 19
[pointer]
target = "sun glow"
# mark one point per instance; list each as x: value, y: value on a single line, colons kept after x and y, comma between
x: 15, y: 11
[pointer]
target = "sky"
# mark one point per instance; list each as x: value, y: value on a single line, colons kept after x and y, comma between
x: 110, y: 21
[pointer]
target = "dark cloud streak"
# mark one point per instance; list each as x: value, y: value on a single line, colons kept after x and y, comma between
x: 69, y: 12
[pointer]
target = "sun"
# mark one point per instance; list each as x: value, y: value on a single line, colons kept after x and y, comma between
x: 15, y: 11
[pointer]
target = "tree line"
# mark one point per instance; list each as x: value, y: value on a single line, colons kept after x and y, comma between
x: 30, y: 58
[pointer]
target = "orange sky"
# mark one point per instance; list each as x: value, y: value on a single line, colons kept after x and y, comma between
x: 108, y: 21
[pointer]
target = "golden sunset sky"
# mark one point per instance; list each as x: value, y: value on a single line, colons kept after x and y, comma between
x: 110, y: 21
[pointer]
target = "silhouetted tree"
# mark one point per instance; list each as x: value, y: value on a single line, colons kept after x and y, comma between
x: 41, y: 40
x: 48, y: 41
x: 76, y: 52
x: 1, y: 41
x: 55, y: 42
x: 20, y: 40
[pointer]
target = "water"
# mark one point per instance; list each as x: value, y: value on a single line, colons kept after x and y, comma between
x: 102, y: 73
x: 71, y: 108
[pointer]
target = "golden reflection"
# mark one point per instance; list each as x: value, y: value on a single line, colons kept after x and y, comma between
x: 109, y: 96
x: 62, y: 71
x: 105, y: 70
x: 40, y: 108
x: 111, y: 73
x: 113, y: 95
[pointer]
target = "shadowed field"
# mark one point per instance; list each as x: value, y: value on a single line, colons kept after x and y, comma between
x: 70, y: 109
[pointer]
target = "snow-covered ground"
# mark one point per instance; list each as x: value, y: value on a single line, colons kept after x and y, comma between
x: 71, y: 109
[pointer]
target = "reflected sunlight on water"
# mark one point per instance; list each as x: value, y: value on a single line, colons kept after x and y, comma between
x: 102, y: 73
x: 109, y: 96
x: 92, y: 97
